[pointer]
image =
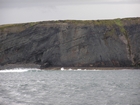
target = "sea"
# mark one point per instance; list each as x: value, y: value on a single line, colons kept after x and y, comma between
x: 30, y: 86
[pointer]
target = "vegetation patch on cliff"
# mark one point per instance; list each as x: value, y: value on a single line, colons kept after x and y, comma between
x: 12, y: 28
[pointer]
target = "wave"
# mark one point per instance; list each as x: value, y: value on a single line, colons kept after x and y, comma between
x: 18, y: 70
x: 70, y: 69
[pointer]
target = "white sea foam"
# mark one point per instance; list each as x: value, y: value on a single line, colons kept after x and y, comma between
x: 87, y: 70
x: 62, y: 69
x: 70, y: 69
x: 18, y: 70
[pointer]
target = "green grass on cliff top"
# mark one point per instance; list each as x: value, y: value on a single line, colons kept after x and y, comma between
x: 118, y: 22
x: 17, y: 25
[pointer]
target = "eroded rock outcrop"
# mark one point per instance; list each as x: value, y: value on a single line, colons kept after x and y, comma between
x: 108, y: 43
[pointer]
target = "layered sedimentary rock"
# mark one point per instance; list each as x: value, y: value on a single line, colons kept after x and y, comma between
x: 106, y: 43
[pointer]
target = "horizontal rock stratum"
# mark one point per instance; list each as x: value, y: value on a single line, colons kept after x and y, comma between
x: 74, y: 43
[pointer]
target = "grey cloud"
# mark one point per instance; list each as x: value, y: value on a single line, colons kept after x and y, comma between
x: 51, y: 3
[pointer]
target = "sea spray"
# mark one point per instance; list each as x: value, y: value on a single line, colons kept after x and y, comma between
x: 18, y: 70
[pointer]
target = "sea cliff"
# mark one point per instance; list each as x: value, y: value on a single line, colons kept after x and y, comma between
x: 72, y: 43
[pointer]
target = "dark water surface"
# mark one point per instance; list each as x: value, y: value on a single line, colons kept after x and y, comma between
x: 35, y: 87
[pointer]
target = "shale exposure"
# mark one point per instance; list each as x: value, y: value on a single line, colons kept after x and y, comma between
x: 72, y: 43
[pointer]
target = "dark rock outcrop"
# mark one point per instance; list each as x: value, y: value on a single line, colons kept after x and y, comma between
x: 106, y: 43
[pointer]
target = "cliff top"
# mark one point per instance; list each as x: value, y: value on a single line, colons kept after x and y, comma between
x: 12, y: 28
x: 117, y: 21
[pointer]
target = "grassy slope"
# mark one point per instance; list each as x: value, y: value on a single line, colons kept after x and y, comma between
x: 119, y: 22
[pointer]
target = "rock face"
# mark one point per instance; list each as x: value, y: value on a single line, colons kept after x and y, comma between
x: 106, y: 43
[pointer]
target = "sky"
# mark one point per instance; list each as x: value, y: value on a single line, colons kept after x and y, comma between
x: 22, y: 11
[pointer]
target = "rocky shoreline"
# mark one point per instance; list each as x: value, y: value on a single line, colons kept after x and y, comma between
x: 91, y: 68
x: 12, y: 66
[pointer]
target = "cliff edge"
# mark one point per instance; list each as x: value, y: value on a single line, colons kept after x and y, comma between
x: 75, y: 43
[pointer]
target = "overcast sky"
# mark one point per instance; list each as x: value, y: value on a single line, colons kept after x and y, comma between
x: 21, y: 11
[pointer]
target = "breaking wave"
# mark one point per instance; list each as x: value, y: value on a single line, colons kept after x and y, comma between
x: 70, y: 69
x: 18, y: 70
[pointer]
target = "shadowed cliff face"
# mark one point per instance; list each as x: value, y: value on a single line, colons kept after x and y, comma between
x: 72, y: 43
